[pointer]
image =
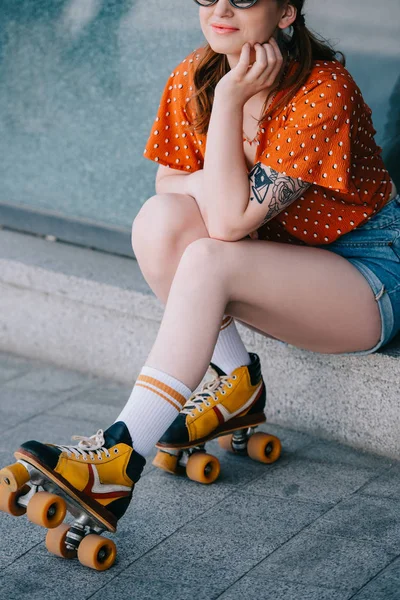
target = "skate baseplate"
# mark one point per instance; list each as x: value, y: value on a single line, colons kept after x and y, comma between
x: 25, y: 488
x: 199, y: 466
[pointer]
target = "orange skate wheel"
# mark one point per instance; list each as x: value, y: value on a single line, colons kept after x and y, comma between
x: 167, y: 462
x: 264, y: 447
x: 225, y: 441
x: 97, y: 552
x: 14, y: 477
x: 55, y: 541
x: 203, y: 468
x: 46, y: 510
x: 9, y: 501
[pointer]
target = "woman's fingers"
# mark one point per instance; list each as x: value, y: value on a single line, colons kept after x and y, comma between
x: 244, y: 60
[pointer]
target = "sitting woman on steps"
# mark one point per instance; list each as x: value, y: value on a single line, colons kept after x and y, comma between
x: 274, y: 208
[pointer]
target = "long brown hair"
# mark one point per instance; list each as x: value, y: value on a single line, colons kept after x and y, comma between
x: 303, y: 47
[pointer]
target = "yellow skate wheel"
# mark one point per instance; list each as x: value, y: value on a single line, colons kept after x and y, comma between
x: 225, y: 441
x: 167, y: 462
x: 203, y: 468
x: 9, y: 501
x: 46, y: 510
x: 55, y: 541
x: 97, y: 552
x: 14, y: 477
x: 264, y: 447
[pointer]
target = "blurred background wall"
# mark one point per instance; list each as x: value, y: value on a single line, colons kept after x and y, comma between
x: 80, y: 83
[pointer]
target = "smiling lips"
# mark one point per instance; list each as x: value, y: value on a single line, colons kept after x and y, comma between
x: 226, y: 27
x: 223, y: 29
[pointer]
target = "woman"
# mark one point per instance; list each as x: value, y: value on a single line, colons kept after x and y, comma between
x: 323, y: 275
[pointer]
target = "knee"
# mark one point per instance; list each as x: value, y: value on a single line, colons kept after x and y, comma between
x: 155, y: 223
x: 205, y: 255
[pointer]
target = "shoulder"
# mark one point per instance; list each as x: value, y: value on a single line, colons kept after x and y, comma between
x: 328, y: 81
x: 182, y: 74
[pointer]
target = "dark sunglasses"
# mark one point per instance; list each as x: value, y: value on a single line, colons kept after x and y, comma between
x: 234, y: 3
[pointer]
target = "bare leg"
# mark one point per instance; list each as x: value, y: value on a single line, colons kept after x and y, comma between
x: 309, y: 297
x: 175, y: 222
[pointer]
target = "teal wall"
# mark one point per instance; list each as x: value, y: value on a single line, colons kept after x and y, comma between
x: 80, y: 82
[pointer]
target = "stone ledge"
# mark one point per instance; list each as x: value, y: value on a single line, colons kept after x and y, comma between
x: 94, y: 312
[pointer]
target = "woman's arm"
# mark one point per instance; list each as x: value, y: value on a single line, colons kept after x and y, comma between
x: 190, y: 185
x: 226, y: 188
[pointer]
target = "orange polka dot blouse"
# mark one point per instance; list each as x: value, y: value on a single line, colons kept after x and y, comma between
x: 324, y: 136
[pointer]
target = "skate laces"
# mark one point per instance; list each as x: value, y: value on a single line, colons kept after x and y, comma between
x: 208, y: 392
x: 87, y: 445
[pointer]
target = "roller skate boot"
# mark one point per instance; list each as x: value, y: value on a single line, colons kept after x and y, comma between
x: 228, y: 407
x: 94, y: 481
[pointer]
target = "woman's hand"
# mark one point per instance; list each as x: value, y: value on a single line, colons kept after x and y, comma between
x: 245, y: 81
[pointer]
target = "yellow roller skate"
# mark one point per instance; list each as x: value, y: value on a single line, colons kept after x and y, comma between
x: 229, y: 407
x: 93, y: 481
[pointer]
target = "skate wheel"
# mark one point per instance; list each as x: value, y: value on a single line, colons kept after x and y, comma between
x: 46, y: 510
x: 264, y: 447
x: 55, y: 541
x: 97, y: 552
x: 225, y: 442
x: 9, y: 501
x: 14, y: 477
x: 203, y: 468
x: 167, y: 462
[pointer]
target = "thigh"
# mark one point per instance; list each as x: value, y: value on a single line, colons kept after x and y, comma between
x: 252, y: 328
x: 308, y: 297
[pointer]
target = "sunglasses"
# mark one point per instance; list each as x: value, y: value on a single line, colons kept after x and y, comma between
x: 234, y: 3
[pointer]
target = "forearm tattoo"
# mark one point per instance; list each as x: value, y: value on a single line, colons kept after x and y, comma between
x: 275, y: 189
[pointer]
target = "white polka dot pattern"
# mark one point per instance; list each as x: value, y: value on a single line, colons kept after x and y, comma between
x: 328, y: 140
x: 170, y: 142
x: 324, y: 136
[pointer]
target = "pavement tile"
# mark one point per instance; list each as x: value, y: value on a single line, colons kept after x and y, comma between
x: 20, y: 405
x: 18, y: 535
x: 363, y: 518
x: 77, y: 581
x: 135, y: 588
x: 78, y: 409
x: 104, y: 393
x: 324, y: 561
x: 30, y: 587
x: 333, y: 452
x: 386, y: 485
x: 13, y: 366
x: 46, y: 428
x: 200, y: 559
x: 385, y: 586
x: 306, y: 479
x: 318, y: 524
x: 266, y: 589
x: 250, y: 517
x: 49, y: 379
x: 7, y: 421
x: 163, y: 503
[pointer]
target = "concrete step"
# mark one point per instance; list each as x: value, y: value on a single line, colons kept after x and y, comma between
x: 94, y: 312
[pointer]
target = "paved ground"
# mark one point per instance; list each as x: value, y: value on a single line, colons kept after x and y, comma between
x: 322, y: 523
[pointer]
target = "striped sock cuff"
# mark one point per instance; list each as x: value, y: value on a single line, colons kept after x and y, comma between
x: 167, y: 387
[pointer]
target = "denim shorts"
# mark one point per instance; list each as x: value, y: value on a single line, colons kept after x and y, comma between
x: 374, y: 249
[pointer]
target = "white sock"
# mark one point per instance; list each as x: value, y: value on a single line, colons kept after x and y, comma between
x: 155, y: 402
x: 230, y: 352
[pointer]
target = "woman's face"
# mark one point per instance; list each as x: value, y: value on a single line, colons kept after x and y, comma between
x: 255, y: 24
